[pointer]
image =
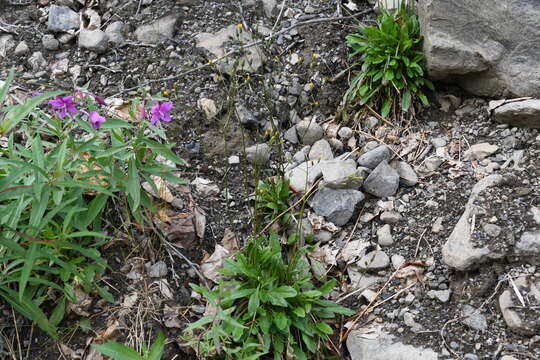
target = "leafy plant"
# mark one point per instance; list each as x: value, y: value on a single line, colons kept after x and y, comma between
x: 272, y: 199
x: 122, y: 352
x: 269, y: 305
x: 391, y: 62
x: 57, y: 175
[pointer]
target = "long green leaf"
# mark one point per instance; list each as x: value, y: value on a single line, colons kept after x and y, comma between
x: 118, y: 351
x: 30, y: 259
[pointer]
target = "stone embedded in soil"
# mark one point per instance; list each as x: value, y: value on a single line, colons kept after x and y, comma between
x: 441, y: 295
x: 37, y: 62
x: 363, y: 346
x: 303, y: 176
x: 336, y: 205
x: 115, y: 32
x: 522, y: 319
x: 248, y: 118
x: 390, y: 217
x: 21, y: 49
x: 7, y: 43
x: 157, y: 270
x: 62, y: 18
x: 258, y: 154
x: 216, y: 43
x: 345, y: 133
x: 473, y: 318
x: 321, y: 150
x: 481, y: 151
x: 407, y: 175
x: 309, y: 131
x: 49, y: 42
x: 158, y: 31
x: 382, y: 182
x: 374, y: 261
x: 397, y: 261
x: 208, y: 106
x: 291, y: 136
x: 384, y: 236
x: 459, y: 252
x: 94, y: 40
x: 374, y: 157
x: 519, y: 113
x: 342, y: 174
x: 529, y: 246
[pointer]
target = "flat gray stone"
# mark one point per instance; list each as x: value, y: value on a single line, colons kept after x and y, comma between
x: 291, y: 136
x: 157, y: 270
x: 522, y: 320
x: 384, y: 347
x: 94, y: 40
x: 21, y: 49
x: 309, y: 131
x: 374, y: 157
x: 473, y: 318
x: 529, y: 245
x: 383, y: 181
x: 303, y: 176
x: 258, y: 154
x: 158, y: 31
x: 115, y: 32
x: 321, y: 150
x: 342, y: 174
x: 336, y: 205
x: 390, y: 217
x: 481, y: 151
x: 62, y: 18
x: 384, y: 236
x: 441, y: 295
x: 407, y: 175
x: 49, y: 42
x: 520, y: 113
x: 374, y: 261
x: 218, y: 43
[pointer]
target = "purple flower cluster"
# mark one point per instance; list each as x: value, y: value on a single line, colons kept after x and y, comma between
x: 66, y: 106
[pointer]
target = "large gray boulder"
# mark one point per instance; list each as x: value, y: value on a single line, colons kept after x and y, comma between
x: 489, y: 48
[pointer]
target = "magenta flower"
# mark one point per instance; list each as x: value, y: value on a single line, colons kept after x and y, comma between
x: 96, y: 120
x: 63, y: 105
x: 36, y: 93
x: 99, y: 100
x: 161, y: 112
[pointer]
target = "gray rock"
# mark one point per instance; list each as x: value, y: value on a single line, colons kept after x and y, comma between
x: 362, y: 280
x: 21, y: 49
x: 371, y: 122
x: 303, y: 176
x: 432, y: 163
x: 37, y: 61
x: 258, y: 154
x: 374, y: 261
x: 407, y: 175
x: 470, y: 357
x: 94, y: 40
x: 504, y: 64
x: 336, y: 145
x: 384, y: 236
x: 115, y: 32
x: 217, y: 44
x: 233, y: 160
x: 345, y: 133
x: 268, y: 6
x: 247, y: 118
x: 6, y: 45
x: 62, y: 18
x: 322, y: 236
x: 529, y: 245
x: 309, y: 131
x: 374, y: 157
x: 302, y: 154
x: 208, y: 106
x: 390, y: 217
x: 291, y: 136
x: 158, y: 31
x: 382, y: 182
x: 336, y: 205
x: 438, y: 142
x: 459, y: 251
x: 49, y: 42
x: 519, y: 113
x: 481, y: 151
x: 321, y: 150
x: 473, y: 318
x: 492, y: 229
x: 522, y: 320
x: 157, y: 270
x: 342, y: 174
x: 441, y: 295
x: 384, y: 347
x: 535, y: 212
x: 397, y: 261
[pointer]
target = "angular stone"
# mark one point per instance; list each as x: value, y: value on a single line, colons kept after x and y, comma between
x: 382, y: 182
x: 374, y: 261
x: 342, y: 174
x: 374, y: 157
x: 309, y: 131
x: 158, y: 31
x: 441, y: 295
x: 115, y: 32
x: 94, y: 40
x: 390, y: 217
x: 22, y: 48
x: 258, y: 154
x: 303, y: 176
x: 384, y: 236
x: 529, y: 245
x: 384, y: 347
x: 37, y: 61
x: 481, y: 151
x: 336, y: 206
x: 157, y: 270
x: 217, y: 44
x: 208, y: 106
x: 504, y: 63
x: 407, y: 175
x: 62, y: 18
x: 519, y: 113
x: 321, y: 150
x: 291, y: 136
x: 523, y: 320
x: 49, y: 42
x: 473, y: 318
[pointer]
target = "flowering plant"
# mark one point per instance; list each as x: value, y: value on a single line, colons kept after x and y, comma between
x: 58, y: 176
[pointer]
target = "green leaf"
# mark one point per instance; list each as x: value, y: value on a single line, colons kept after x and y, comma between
x: 300, y: 312
x: 30, y: 259
x: 58, y: 312
x: 281, y: 321
x: 324, y: 328
x: 133, y: 184
x: 114, y: 123
x: 284, y: 292
x: 406, y: 101
x: 156, y: 351
x: 327, y: 287
x: 254, y: 302
x: 385, y: 110
x: 118, y: 351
